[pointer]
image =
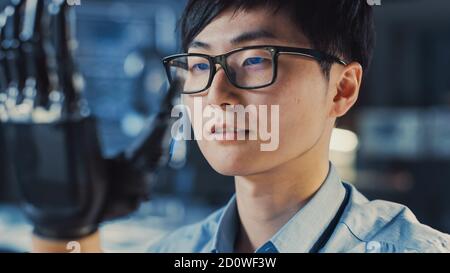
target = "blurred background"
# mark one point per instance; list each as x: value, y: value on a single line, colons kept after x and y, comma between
x: 394, y: 145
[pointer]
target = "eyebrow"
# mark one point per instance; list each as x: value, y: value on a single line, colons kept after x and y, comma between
x: 253, y: 35
x: 198, y: 44
x: 242, y: 38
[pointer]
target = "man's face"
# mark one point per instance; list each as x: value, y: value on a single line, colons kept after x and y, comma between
x: 300, y: 91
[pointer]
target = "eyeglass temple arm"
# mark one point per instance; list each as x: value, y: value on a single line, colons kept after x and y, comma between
x: 326, y: 57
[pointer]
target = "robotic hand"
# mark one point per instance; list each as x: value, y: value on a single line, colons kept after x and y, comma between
x: 67, y: 187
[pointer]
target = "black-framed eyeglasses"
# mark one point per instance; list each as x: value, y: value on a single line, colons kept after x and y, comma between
x: 248, y: 68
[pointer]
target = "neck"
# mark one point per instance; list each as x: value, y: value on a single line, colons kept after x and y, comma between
x: 267, y: 201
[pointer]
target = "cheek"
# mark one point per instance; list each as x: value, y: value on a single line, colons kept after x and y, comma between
x: 302, y: 107
x: 302, y: 88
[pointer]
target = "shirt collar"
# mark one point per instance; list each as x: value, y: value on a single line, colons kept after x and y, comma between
x: 225, y: 235
x: 301, y: 232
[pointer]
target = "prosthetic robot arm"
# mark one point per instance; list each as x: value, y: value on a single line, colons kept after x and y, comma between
x: 67, y: 187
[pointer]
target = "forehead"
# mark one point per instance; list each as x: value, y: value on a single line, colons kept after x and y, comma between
x: 263, y: 25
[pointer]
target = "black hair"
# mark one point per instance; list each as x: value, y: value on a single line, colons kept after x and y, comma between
x: 343, y: 28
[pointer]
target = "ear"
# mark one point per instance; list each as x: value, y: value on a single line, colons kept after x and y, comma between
x: 348, y: 84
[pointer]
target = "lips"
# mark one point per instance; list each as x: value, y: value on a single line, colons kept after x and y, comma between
x: 223, y: 129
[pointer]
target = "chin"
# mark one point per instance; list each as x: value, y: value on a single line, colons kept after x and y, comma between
x: 231, y: 170
x: 233, y: 166
x: 232, y: 160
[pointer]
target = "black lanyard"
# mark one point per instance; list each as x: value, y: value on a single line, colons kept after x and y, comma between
x: 326, y: 235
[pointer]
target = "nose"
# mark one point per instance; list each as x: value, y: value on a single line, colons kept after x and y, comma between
x: 222, y: 92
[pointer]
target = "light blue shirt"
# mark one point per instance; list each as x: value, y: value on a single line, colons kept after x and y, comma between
x: 365, y: 226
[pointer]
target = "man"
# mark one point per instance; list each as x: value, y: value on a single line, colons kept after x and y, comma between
x: 308, y: 58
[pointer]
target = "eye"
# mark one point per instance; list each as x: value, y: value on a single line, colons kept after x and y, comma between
x: 200, y: 67
x: 254, y: 61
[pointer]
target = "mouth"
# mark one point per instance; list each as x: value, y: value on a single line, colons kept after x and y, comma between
x: 224, y: 132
